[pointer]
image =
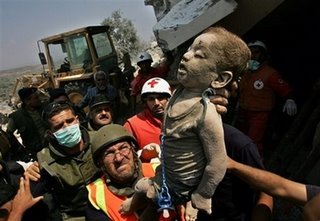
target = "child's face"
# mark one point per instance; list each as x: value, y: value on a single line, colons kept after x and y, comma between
x: 196, y: 69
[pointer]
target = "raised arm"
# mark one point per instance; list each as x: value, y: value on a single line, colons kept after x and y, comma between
x: 23, y: 200
x: 269, y: 183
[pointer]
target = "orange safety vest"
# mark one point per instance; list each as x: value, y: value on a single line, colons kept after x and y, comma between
x: 145, y: 128
x: 102, y: 198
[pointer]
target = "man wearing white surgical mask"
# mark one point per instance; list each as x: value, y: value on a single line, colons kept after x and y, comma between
x: 66, y: 165
x: 258, y: 89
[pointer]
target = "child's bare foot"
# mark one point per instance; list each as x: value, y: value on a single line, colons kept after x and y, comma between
x: 191, y: 212
x: 201, y: 203
x: 125, y: 207
x: 144, y: 185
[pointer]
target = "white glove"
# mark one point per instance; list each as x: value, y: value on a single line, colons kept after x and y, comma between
x: 290, y: 107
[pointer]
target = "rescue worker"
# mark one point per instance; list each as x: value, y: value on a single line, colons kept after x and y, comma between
x: 146, y: 125
x: 258, y: 88
x: 113, y: 149
x: 28, y: 122
x: 66, y: 165
x: 100, y: 113
x: 146, y: 71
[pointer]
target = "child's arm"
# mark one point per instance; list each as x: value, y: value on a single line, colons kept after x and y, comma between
x: 212, y: 138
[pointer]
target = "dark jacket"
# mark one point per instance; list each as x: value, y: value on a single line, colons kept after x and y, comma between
x: 66, y: 176
x: 31, y: 138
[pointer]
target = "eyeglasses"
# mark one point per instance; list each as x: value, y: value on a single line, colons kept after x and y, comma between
x: 123, y: 150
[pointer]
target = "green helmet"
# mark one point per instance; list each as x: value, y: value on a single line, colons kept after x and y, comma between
x: 107, y: 136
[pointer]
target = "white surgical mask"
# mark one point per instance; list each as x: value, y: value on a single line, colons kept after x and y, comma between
x: 254, y: 65
x: 68, y: 136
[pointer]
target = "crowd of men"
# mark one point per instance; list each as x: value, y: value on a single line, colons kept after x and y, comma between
x: 83, y: 166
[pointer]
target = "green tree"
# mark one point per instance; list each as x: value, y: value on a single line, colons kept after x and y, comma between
x: 124, y: 33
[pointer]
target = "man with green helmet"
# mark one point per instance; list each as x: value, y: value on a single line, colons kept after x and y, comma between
x: 113, y: 149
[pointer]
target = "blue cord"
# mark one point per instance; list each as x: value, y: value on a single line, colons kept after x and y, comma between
x: 164, y: 200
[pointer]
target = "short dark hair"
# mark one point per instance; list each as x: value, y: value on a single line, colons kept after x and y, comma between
x: 57, y: 92
x: 54, y: 108
x: 101, y: 73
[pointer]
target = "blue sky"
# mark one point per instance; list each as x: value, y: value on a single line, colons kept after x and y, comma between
x: 23, y: 22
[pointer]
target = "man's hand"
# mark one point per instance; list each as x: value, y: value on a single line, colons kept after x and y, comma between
x: 150, y: 151
x: 221, y: 103
x: 33, y: 172
x: 230, y: 164
x: 220, y: 100
x: 23, y: 200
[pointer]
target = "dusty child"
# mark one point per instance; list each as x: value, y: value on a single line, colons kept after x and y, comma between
x: 194, y: 155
